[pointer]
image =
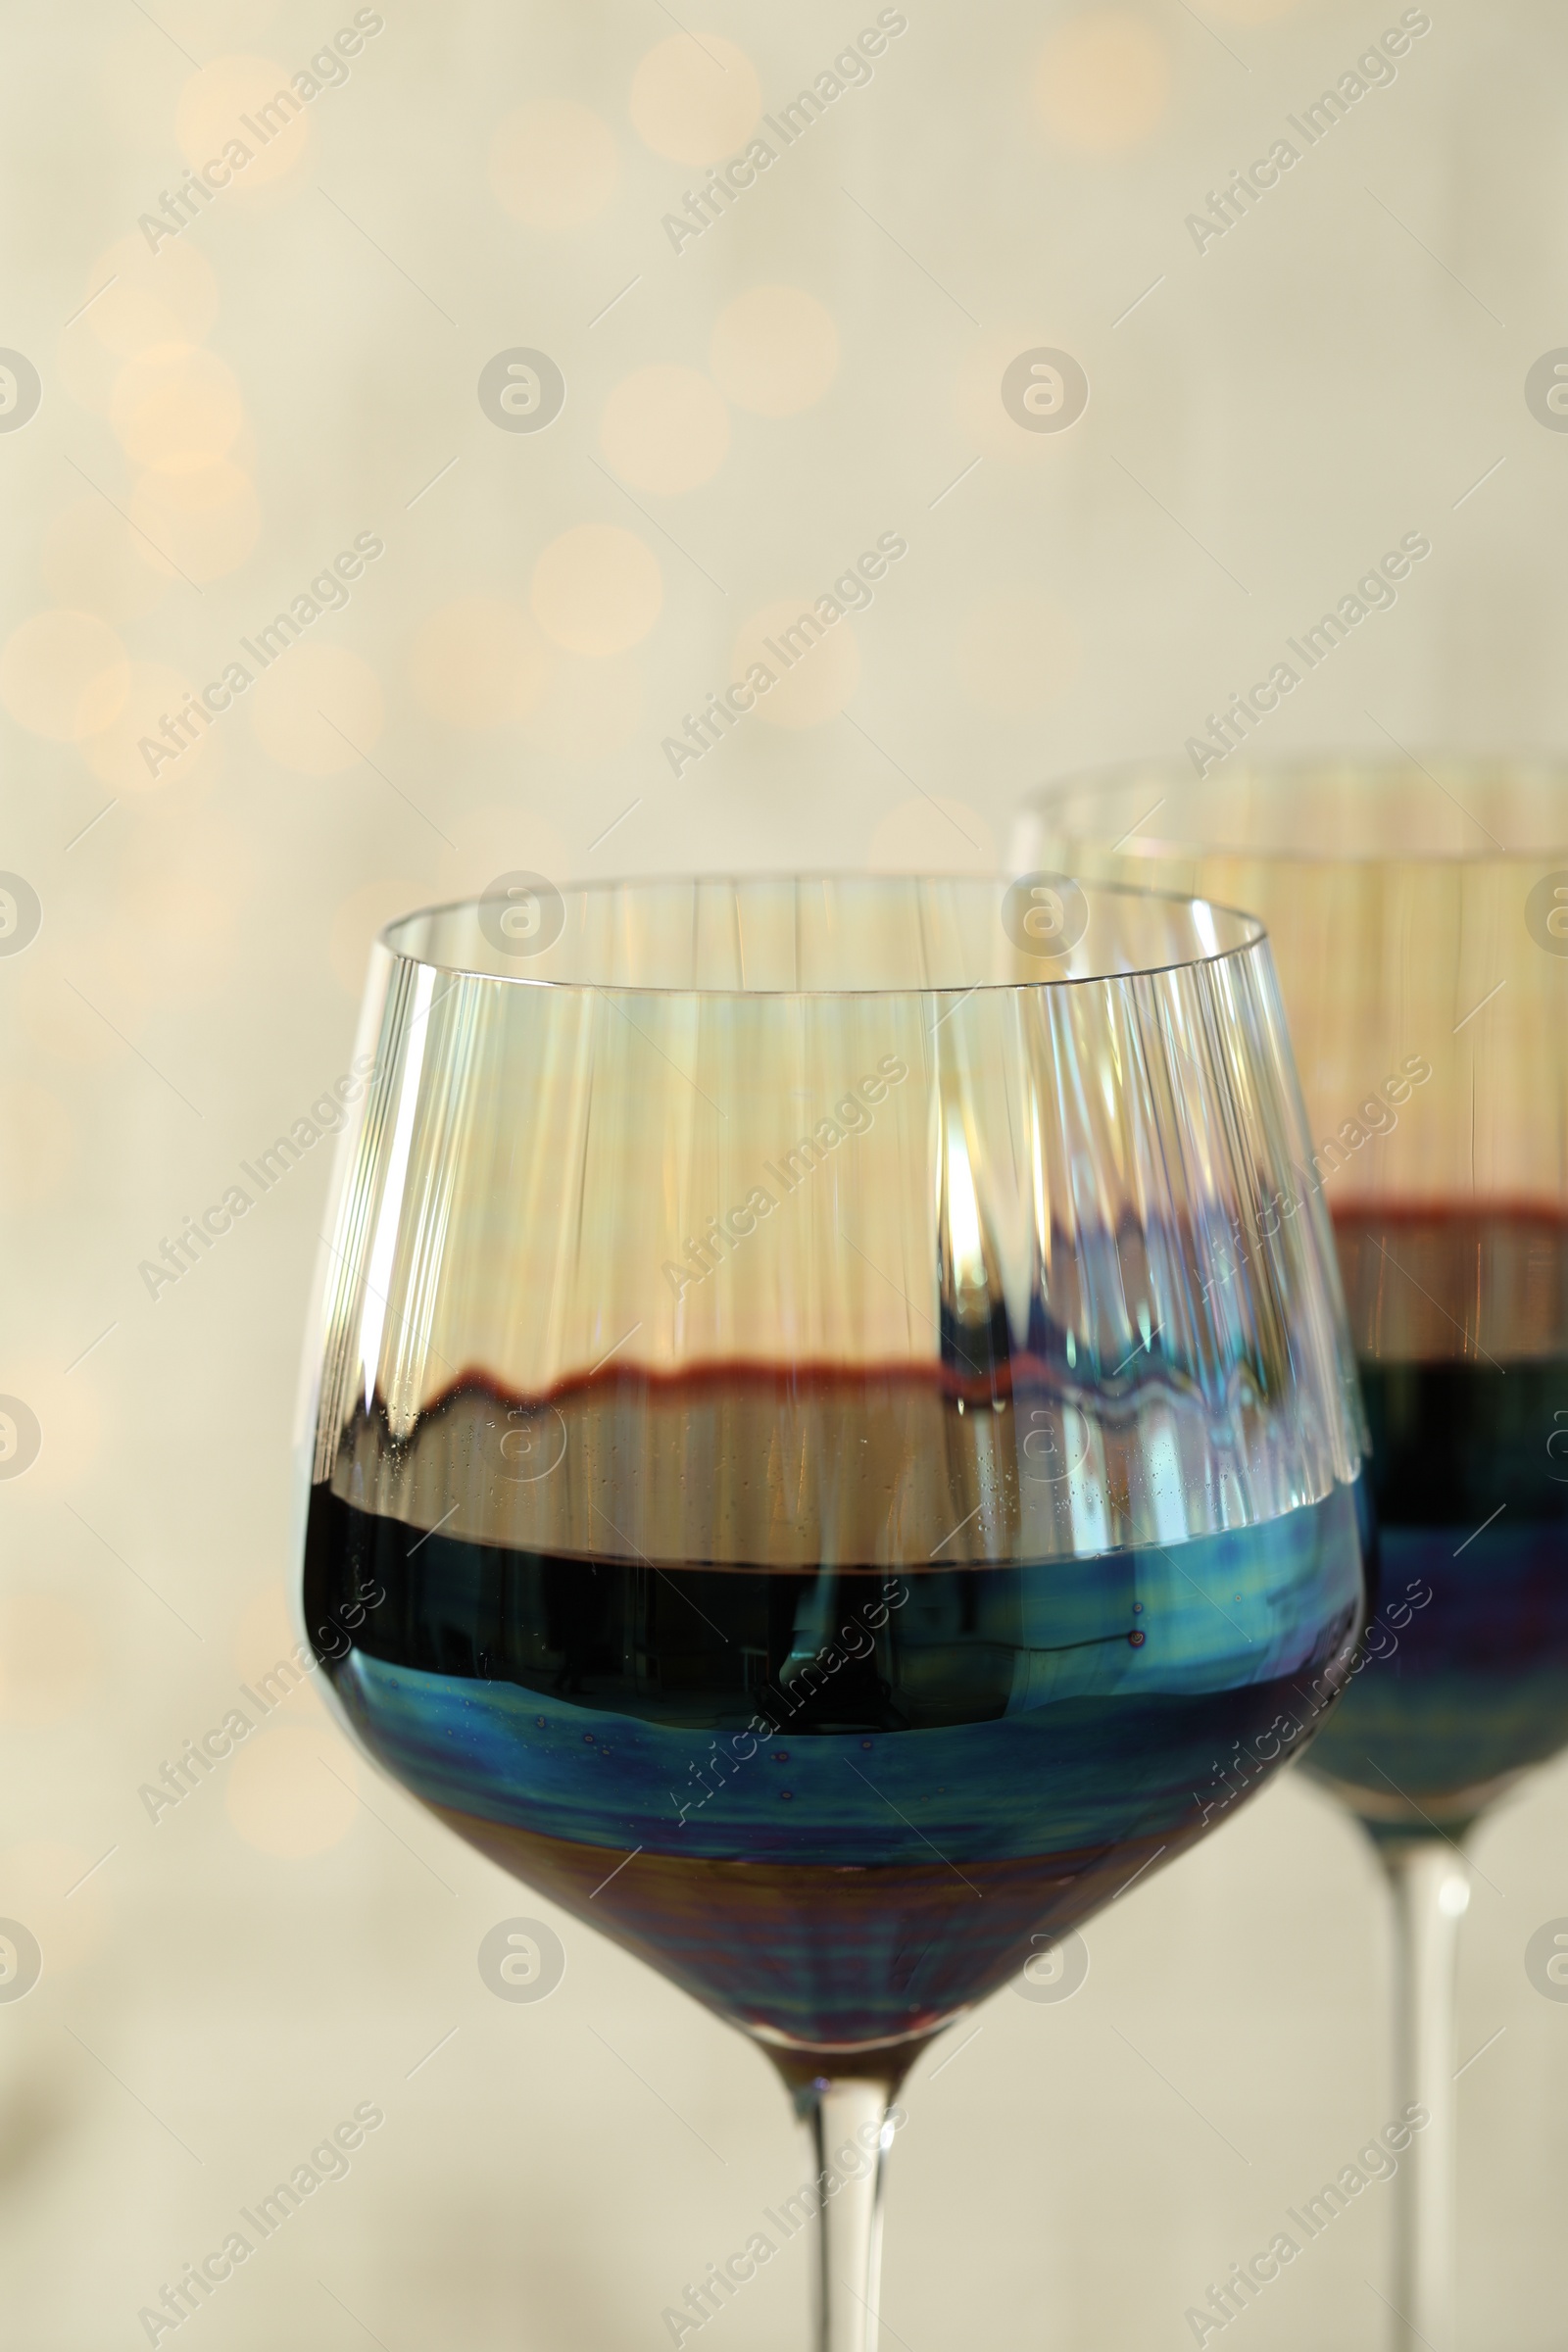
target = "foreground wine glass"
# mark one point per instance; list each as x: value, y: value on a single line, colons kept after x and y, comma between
x: 1419, y: 916
x: 822, y: 1454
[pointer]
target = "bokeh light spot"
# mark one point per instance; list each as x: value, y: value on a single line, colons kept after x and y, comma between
x: 1103, y: 80
x: 210, y: 117
x: 64, y: 674
x: 695, y: 98
x: 597, y: 589
x: 774, y: 350
x: 665, y: 430
x: 176, y: 407
x: 553, y: 164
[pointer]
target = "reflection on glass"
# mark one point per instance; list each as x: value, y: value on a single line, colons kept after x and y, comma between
x: 1418, y: 914
x: 831, y: 1468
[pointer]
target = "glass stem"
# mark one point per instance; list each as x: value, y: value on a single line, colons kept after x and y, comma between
x: 1430, y: 1882
x: 841, y: 2114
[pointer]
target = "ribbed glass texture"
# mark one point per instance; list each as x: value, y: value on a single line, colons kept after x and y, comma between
x: 836, y: 1449
x: 1407, y: 908
x: 850, y: 1124
x: 1418, y: 913
x: 833, y: 1426
x: 1418, y: 910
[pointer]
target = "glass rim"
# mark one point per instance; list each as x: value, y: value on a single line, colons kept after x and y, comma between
x: 1249, y: 932
x: 1289, y: 773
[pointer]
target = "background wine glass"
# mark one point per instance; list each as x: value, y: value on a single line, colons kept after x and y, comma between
x: 821, y: 1457
x: 1419, y: 917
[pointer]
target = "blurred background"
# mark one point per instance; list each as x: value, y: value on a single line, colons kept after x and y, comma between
x: 457, y: 358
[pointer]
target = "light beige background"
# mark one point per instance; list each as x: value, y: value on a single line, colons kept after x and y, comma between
x: 822, y: 365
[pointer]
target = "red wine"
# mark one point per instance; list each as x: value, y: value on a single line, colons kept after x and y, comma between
x: 1461, y: 1327
x: 833, y: 1779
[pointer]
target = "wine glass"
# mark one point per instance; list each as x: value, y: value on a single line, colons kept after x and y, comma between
x: 1418, y: 910
x: 821, y: 1456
